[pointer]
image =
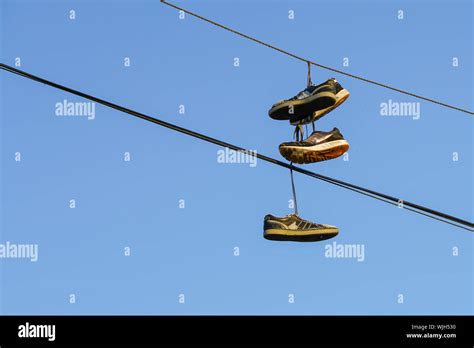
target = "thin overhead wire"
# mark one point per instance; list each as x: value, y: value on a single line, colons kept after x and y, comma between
x: 449, y: 219
x: 293, y: 190
x: 317, y: 64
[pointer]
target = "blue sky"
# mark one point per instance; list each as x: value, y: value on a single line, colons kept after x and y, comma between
x: 190, y: 251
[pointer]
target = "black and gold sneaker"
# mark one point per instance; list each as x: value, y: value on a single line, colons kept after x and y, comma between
x: 319, y: 146
x: 341, y: 95
x: 305, y: 103
x: 294, y: 228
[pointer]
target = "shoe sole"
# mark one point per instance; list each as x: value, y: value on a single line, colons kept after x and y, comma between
x: 316, y: 153
x: 303, y: 107
x: 300, y: 236
x: 341, y: 97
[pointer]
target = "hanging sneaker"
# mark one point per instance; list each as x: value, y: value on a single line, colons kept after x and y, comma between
x: 306, y: 102
x: 341, y: 95
x: 294, y: 228
x: 319, y: 146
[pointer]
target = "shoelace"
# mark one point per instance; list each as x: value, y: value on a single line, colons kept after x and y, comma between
x: 298, y: 133
x: 305, y: 223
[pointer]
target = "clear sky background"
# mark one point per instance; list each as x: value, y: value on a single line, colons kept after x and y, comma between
x: 190, y: 251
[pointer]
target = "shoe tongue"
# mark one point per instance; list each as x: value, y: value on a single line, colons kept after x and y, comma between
x: 306, y: 92
x: 294, y: 216
x: 315, y: 136
x: 310, y: 89
x: 302, y: 94
x: 297, y: 217
x: 318, y: 136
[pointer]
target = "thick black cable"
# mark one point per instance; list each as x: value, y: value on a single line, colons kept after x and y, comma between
x: 380, y: 196
x: 314, y: 63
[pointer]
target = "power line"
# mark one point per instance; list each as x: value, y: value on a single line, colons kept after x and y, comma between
x: 314, y: 63
x: 449, y: 219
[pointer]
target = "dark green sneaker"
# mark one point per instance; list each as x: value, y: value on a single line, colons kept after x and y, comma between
x: 294, y: 228
x: 319, y: 146
x: 305, y: 103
